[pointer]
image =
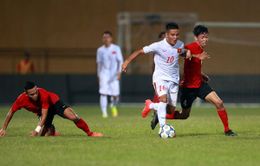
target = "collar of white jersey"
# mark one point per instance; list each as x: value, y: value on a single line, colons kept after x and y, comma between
x: 110, y: 46
x: 165, y: 41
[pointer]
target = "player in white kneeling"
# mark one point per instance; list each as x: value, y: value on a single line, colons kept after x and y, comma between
x: 109, y: 61
x: 166, y: 73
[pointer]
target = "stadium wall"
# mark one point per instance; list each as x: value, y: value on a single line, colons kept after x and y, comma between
x: 28, y: 24
x: 135, y: 88
x: 79, y: 24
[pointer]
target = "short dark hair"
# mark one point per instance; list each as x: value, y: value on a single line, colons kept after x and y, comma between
x: 161, y: 34
x: 171, y: 25
x: 200, y: 29
x: 29, y: 85
x: 108, y: 33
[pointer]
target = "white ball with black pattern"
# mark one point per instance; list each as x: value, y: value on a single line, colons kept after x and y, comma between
x: 167, y: 131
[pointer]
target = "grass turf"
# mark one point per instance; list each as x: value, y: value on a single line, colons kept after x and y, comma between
x: 130, y: 141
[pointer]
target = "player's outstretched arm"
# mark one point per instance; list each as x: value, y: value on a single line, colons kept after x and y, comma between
x: 7, y: 120
x: 186, y: 53
x: 40, y: 125
x: 131, y: 58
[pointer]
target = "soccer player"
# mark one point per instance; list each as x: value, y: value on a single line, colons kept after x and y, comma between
x: 195, y: 83
x: 46, y: 105
x: 109, y: 62
x: 166, y: 73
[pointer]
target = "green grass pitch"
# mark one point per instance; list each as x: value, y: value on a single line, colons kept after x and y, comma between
x: 129, y: 141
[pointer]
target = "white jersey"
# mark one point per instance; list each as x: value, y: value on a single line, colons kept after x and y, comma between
x: 109, y: 60
x: 165, y: 59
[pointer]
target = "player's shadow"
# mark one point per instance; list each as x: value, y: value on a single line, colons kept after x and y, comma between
x: 197, y: 134
x: 82, y: 136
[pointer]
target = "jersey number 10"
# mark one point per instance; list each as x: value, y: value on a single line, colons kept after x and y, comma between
x: 170, y: 59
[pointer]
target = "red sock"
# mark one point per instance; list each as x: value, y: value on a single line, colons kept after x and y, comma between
x: 170, y: 116
x: 83, y: 126
x: 224, y: 118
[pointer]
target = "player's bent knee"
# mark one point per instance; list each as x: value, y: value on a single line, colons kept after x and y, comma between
x: 219, y: 104
x: 69, y: 114
x: 164, y: 100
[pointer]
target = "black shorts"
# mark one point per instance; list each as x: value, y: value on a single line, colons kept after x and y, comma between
x: 188, y: 95
x: 58, y: 108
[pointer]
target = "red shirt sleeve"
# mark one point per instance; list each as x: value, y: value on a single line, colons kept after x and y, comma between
x: 17, y: 105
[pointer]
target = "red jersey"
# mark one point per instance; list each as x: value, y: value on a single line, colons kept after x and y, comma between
x: 192, y: 68
x: 45, y: 100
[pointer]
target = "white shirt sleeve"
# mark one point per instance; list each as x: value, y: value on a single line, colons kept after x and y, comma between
x: 182, y: 45
x: 179, y: 45
x: 98, y: 60
x: 152, y: 48
x: 120, y: 59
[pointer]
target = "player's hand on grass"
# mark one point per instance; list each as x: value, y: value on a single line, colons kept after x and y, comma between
x: 2, y: 132
x: 34, y: 133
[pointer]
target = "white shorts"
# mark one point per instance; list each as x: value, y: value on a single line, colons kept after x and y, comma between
x: 168, y: 88
x: 108, y: 87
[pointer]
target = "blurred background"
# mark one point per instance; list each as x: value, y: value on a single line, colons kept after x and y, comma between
x: 60, y: 38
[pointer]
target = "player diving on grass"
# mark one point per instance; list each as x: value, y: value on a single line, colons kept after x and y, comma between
x: 109, y: 62
x: 195, y: 84
x: 45, y: 105
x: 166, y: 73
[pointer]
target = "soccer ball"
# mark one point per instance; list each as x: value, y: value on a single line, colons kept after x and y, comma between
x: 167, y: 131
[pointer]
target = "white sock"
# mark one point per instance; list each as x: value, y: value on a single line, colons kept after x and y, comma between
x: 103, y: 104
x: 162, y: 113
x: 114, y: 101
